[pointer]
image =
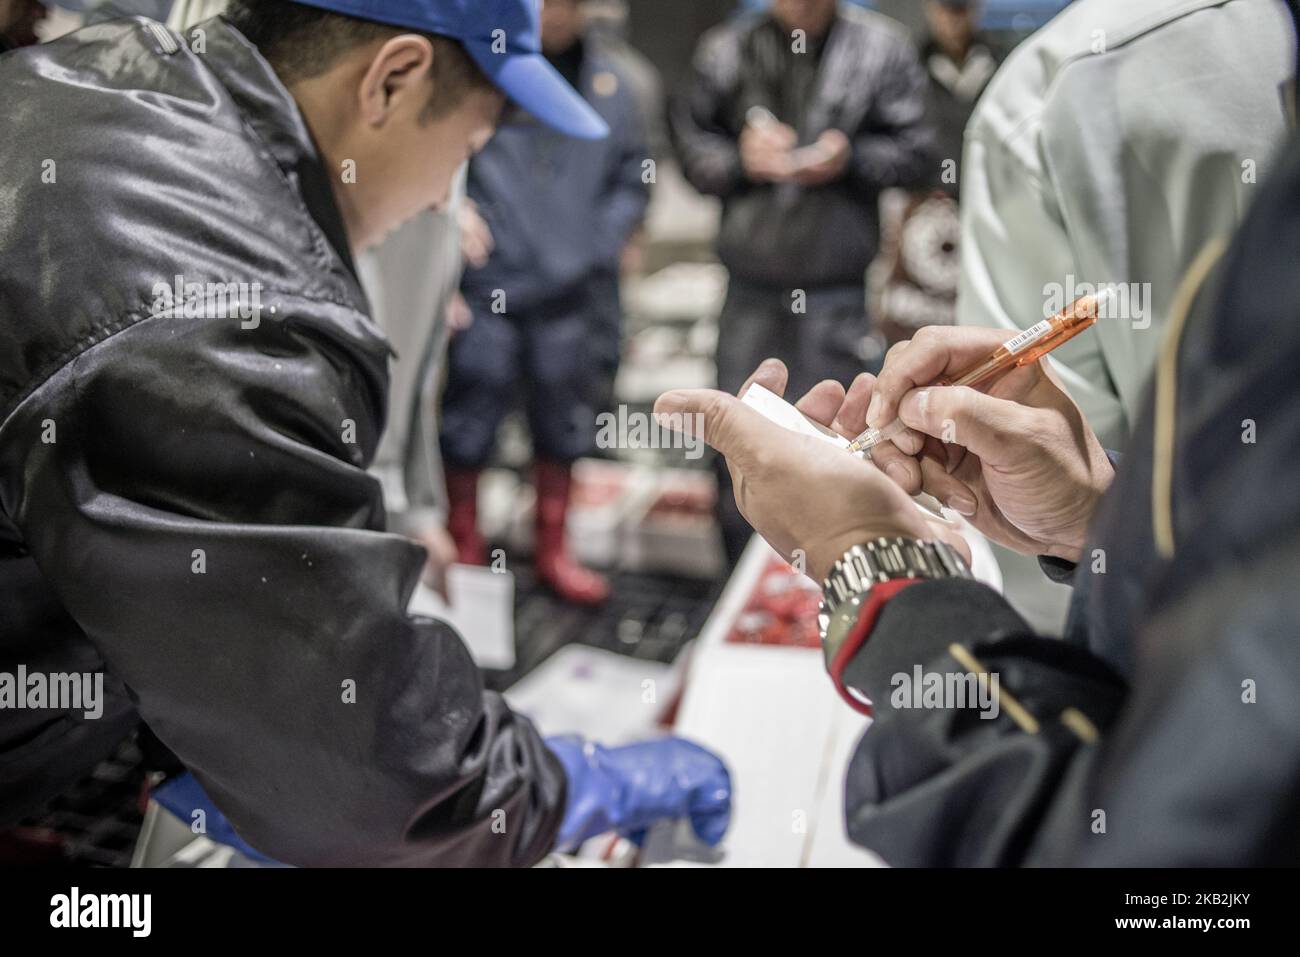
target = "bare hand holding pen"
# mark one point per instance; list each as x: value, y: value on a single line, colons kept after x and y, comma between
x: 1019, y: 461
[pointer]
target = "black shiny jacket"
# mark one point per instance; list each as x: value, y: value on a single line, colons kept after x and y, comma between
x: 190, y: 393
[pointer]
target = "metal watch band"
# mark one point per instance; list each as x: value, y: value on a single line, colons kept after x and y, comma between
x: 882, y: 560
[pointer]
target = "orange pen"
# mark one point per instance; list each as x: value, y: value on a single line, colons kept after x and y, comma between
x: 1020, y: 350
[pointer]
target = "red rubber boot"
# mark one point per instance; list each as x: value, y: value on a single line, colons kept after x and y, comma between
x: 462, y: 516
x: 555, y: 567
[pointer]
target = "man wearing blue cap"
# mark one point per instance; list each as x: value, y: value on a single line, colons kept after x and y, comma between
x: 191, y: 390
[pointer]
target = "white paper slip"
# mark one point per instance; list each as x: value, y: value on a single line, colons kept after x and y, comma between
x: 601, y: 695
x: 775, y: 408
x: 482, y: 610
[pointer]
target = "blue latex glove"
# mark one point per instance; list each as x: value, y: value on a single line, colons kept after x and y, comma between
x: 183, y: 795
x: 627, y: 789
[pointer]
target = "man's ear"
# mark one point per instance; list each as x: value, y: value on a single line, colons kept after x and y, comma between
x: 398, y: 71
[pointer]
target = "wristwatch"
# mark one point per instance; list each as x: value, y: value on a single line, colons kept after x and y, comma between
x: 864, y: 566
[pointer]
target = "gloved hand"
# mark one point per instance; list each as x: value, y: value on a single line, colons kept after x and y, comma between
x: 626, y: 789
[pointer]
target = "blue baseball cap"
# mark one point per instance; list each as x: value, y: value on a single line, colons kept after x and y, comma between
x: 504, y: 38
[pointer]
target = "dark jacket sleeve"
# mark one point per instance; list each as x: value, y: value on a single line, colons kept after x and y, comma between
x: 708, y: 151
x: 893, y: 144
x: 1199, y: 769
x: 945, y: 786
x: 206, y: 517
x: 1191, y: 765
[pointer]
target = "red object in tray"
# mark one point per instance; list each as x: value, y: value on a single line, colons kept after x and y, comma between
x: 594, y: 488
x: 782, y: 610
x: 689, y: 503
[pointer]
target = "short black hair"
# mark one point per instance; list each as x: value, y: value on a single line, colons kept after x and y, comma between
x: 301, y: 42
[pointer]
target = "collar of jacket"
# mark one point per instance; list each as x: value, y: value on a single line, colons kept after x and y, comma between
x: 271, y: 112
x: 816, y: 44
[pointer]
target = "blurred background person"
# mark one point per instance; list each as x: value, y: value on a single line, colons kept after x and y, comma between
x: 918, y: 270
x: 797, y: 118
x: 411, y: 281
x: 607, y: 22
x: 554, y: 215
x: 960, y: 60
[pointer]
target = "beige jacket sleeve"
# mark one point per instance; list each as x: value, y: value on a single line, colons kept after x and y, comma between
x: 1014, y: 244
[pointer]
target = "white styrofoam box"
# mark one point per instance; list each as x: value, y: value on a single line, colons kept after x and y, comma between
x: 498, y: 492
x: 983, y: 564
x: 643, y: 383
x: 606, y: 697
x: 681, y: 545
x: 771, y: 713
x: 682, y: 289
x: 829, y: 845
x: 482, y: 610
x: 596, y: 523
